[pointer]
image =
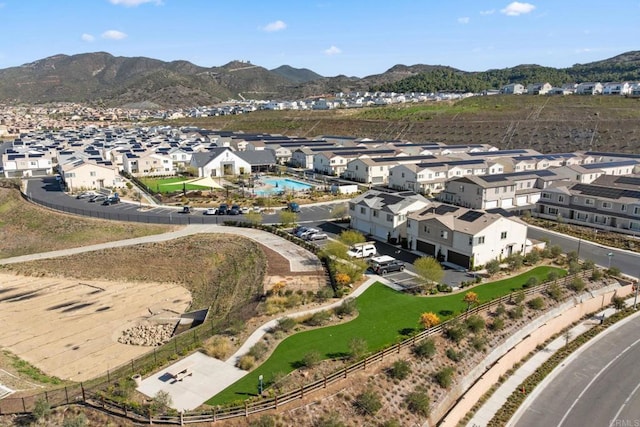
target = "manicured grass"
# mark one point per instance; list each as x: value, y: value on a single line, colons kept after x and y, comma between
x: 385, y: 317
x: 170, y: 185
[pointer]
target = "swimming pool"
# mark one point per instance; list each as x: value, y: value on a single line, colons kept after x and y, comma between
x: 271, y: 186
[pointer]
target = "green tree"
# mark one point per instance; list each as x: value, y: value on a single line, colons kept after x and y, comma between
x: 351, y: 237
x: 340, y: 211
x: 253, y: 217
x: 161, y: 402
x: 336, y: 249
x: 358, y: 347
x: 41, y: 409
x: 288, y: 218
x: 311, y: 359
x: 492, y: 266
x: 429, y: 270
x: 470, y: 298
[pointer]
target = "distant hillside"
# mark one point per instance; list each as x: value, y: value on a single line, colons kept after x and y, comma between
x: 103, y: 79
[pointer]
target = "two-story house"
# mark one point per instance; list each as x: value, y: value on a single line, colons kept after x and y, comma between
x: 467, y: 238
x: 382, y: 214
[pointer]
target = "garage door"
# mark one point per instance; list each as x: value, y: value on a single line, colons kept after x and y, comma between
x: 458, y: 259
x: 425, y: 247
x: 491, y: 204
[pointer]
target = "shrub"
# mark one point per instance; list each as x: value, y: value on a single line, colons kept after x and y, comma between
x: 161, y: 402
x: 479, y: 342
x: 418, y: 402
x: 497, y: 324
x: 515, y: 262
x: 442, y: 287
x: 429, y: 320
x: 577, y: 284
x: 455, y: 332
x: 552, y: 276
x: 572, y: 256
x: 500, y: 309
x: 311, y: 359
x: 324, y: 294
x: 400, y: 370
x: 286, y: 324
x: 596, y: 274
x: 79, y: 420
x: 426, y: 348
x: 329, y: 420
x: 556, y: 251
x: 347, y: 307
x: 516, y: 312
x: 318, y: 318
x: 343, y: 279
x: 618, y: 302
x: 613, y: 271
x: 536, y: 303
x: 263, y: 421
x: 456, y: 356
x: 519, y: 297
x: 588, y: 264
x: 492, y: 266
x: 475, y: 323
x: 41, y: 409
x: 444, y: 377
x: 358, y: 347
x: 258, y: 350
x: 368, y: 403
x: 532, y: 282
x: 574, y: 267
x: 555, y: 292
x: 532, y: 257
x: 246, y: 362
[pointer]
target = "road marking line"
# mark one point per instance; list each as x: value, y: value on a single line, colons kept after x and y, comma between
x: 615, y: 417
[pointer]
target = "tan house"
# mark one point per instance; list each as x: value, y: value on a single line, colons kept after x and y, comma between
x: 85, y: 175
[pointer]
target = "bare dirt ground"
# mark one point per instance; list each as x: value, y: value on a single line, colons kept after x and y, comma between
x: 69, y: 328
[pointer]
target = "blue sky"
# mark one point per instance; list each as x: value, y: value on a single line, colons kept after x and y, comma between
x: 330, y: 37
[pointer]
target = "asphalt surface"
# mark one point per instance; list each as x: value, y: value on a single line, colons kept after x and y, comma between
x: 627, y: 262
x: 596, y: 387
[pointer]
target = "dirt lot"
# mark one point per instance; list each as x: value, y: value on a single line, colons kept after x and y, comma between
x: 69, y: 328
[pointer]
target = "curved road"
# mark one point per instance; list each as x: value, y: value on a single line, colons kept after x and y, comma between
x: 599, y: 386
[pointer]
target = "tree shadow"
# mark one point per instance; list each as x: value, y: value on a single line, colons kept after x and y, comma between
x: 407, y: 332
x: 338, y: 355
x: 445, y: 313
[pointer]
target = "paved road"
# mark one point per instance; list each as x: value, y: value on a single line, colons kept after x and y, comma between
x: 596, y: 387
x: 626, y: 261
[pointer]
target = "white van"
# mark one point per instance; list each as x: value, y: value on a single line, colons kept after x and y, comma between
x: 362, y: 250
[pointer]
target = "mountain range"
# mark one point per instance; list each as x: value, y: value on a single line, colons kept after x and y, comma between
x: 103, y: 79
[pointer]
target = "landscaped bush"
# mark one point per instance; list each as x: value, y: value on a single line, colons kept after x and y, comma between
x: 516, y: 312
x: 536, y: 303
x: 347, y: 308
x: 286, y: 324
x: 400, y: 370
x: 556, y: 251
x: 497, y: 324
x: 444, y: 288
x: 444, y: 377
x: 492, y: 266
x: 532, y: 257
x: 324, y: 294
x: 479, y: 342
x: 218, y: 347
x: 475, y: 323
x: 572, y: 256
x: 246, y: 362
x: 613, y: 271
x: 501, y: 310
x: 454, y: 355
x: 574, y: 267
x: 515, y: 262
x: 455, y: 332
x: 367, y: 403
x: 596, y: 274
x: 552, y: 276
x: 588, y: 264
x: 318, y: 318
x: 258, y: 350
x: 555, y: 292
x: 425, y: 349
x: 618, y: 302
x: 577, y: 284
x: 311, y: 359
x: 418, y: 402
x: 519, y: 297
x: 531, y: 282
x: 358, y: 348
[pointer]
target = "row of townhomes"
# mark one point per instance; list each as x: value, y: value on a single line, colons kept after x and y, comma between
x: 630, y: 89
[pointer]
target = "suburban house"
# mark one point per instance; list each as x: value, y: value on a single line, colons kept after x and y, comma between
x: 430, y: 177
x: 334, y: 162
x: 222, y: 161
x: 384, y: 215
x: 616, y: 88
x: 26, y: 164
x: 506, y: 191
x: 375, y: 170
x: 609, y: 203
x: 464, y: 237
x: 588, y: 173
x: 86, y: 175
x: 147, y: 164
x: 589, y: 88
x: 512, y: 89
x: 538, y: 88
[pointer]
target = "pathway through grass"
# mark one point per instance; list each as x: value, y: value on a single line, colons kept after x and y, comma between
x: 385, y: 317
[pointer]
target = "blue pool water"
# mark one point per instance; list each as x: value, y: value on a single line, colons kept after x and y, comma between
x: 271, y: 186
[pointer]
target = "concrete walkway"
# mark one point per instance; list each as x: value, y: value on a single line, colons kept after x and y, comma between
x: 487, y: 411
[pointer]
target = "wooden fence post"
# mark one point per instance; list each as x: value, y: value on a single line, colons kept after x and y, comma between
x: 66, y: 394
x: 84, y: 397
x: 246, y: 408
x: 301, y: 391
x: 24, y: 407
x: 324, y: 383
x: 345, y: 372
x: 398, y: 345
x: 276, y: 403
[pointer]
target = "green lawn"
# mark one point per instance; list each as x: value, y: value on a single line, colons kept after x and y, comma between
x: 170, y: 185
x: 385, y: 317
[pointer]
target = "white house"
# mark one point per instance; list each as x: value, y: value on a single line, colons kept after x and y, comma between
x: 616, y: 88
x: 148, y: 164
x: 589, y: 88
x: 85, y: 175
x: 468, y: 238
x: 538, y: 88
x: 513, y: 89
x: 19, y: 165
x: 384, y: 215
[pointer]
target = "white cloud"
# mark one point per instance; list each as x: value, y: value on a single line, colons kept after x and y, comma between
x: 87, y: 37
x: 133, y: 3
x: 463, y: 20
x: 584, y: 50
x: 516, y: 8
x: 333, y: 50
x: 274, y: 26
x: 114, y: 35
x: 487, y: 12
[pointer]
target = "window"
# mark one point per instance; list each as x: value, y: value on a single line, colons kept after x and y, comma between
x: 561, y: 199
x: 497, y: 190
x: 623, y: 208
x: 402, y: 174
x: 92, y: 173
x: 352, y: 207
x: 581, y: 216
x: 552, y: 211
x: 588, y: 202
x: 480, y: 240
x: 389, y: 218
x: 607, y: 205
x: 70, y: 175
x: 470, y: 240
x: 375, y: 214
x: 363, y: 210
x: 444, y: 234
x: 503, y: 235
x: 636, y: 210
x: 427, y: 229
x: 546, y: 196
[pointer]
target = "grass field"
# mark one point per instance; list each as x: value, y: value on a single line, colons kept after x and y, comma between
x: 384, y: 318
x: 170, y: 185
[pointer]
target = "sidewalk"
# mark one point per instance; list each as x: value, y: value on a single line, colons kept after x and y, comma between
x: 486, y: 412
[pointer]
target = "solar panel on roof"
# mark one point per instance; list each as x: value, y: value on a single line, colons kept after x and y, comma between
x: 445, y: 209
x: 606, y: 192
x: 470, y: 216
x: 631, y: 180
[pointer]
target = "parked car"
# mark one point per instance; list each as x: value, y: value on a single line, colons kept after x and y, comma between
x: 222, y: 209
x: 244, y: 210
x: 210, y: 211
x: 186, y: 210
x: 111, y: 200
x: 362, y: 250
x: 86, y: 194
x: 316, y: 236
x: 292, y: 207
x: 97, y: 198
x: 385, y: 264
x: 299, y: 230
x: 308, y: 232
x: 234, y: 210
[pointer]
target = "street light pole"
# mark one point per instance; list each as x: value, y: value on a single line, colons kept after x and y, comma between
x: 610, y: 255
